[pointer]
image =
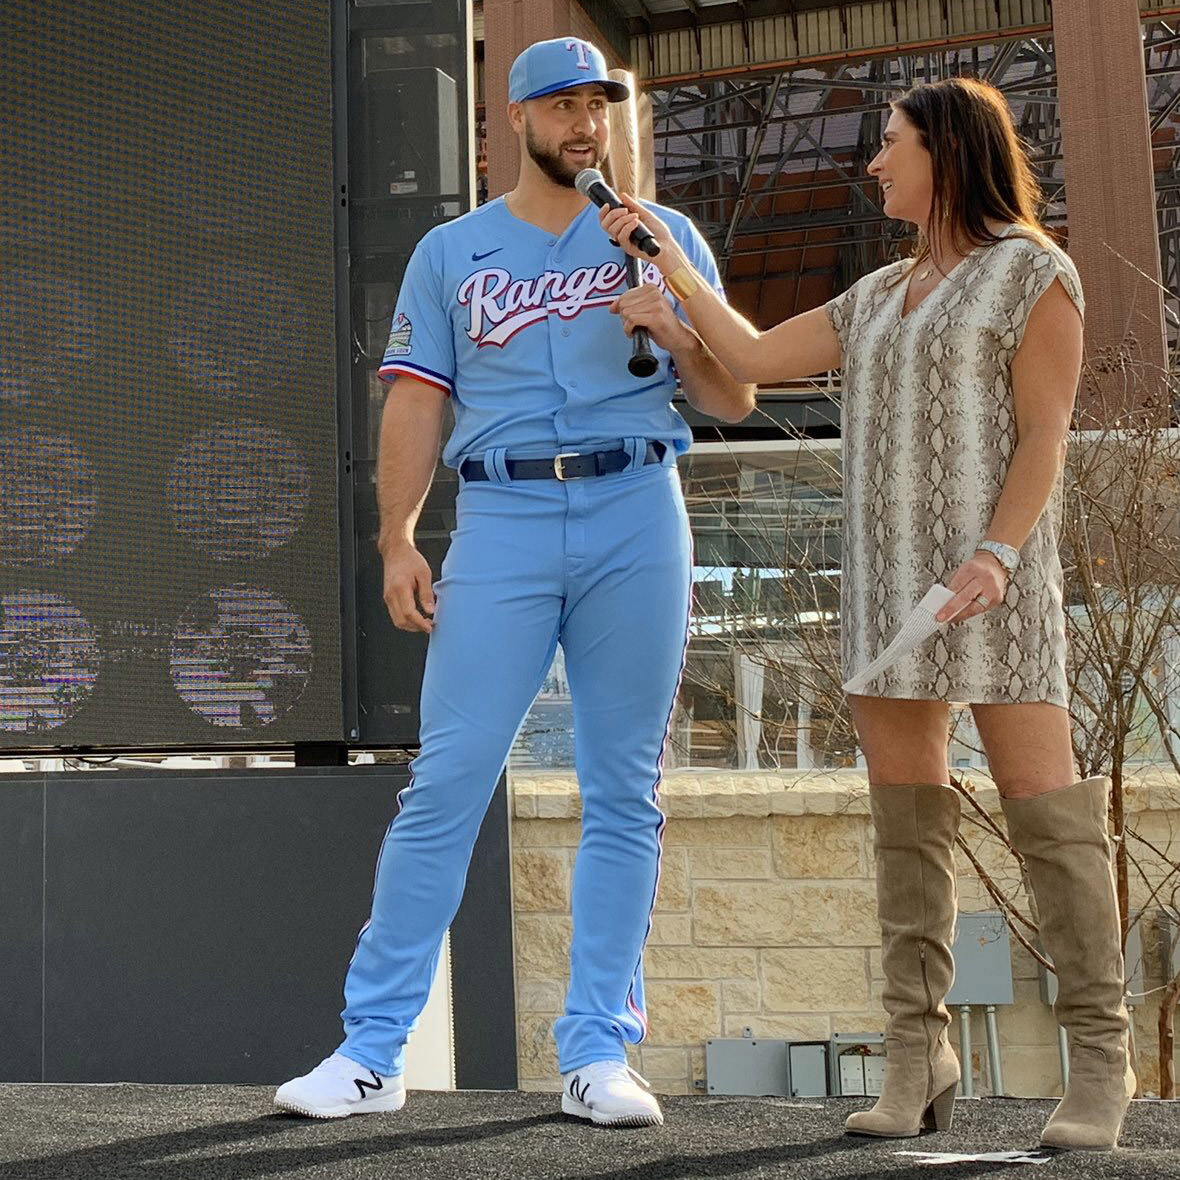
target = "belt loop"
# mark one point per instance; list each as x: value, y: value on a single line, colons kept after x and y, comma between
x: 636, y: 449
x: 495, y: 467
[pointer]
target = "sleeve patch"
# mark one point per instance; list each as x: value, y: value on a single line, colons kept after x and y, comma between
x: 399, y: 336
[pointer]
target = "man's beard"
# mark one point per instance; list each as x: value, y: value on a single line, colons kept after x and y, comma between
x: 554, y: 165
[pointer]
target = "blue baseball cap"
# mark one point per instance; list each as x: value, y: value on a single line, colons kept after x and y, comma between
x: 548, y: 66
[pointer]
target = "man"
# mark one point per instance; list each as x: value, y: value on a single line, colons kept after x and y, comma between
x: 571, y: 529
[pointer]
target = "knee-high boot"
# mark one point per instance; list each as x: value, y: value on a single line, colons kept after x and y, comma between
x: 1062, y: 836
x: 914, y: 830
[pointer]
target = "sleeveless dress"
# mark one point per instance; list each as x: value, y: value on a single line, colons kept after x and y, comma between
x: 929, y: 428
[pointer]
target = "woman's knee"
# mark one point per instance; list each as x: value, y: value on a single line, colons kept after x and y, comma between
x: 904, y: 742
x: 1028, y: 747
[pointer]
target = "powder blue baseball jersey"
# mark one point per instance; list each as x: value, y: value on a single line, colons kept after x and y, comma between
x: 513, y: 322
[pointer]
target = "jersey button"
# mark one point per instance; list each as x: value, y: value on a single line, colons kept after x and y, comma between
x: 573, y: 384
x: 565, y: 331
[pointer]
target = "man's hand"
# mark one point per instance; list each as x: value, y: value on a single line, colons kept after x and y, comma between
x: 648, y: 307
x: 409, y: 593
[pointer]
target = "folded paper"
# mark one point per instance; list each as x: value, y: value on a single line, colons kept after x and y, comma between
x: 920, y: 625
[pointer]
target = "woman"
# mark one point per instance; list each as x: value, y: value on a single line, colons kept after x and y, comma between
x: 960, y: 369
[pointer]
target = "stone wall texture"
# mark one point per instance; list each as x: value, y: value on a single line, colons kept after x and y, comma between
x: 766, y: 921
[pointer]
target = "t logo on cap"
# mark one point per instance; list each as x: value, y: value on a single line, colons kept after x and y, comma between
x: 549, y: 66
x: 582, y: 50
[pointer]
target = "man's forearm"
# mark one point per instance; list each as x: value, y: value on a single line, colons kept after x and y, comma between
x: 709, y: 386
x: 407, y: 456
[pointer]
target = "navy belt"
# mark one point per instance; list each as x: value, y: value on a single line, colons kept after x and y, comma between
x: 569, y: 465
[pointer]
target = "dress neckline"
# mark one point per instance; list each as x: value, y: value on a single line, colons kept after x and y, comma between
x: 947, y: 280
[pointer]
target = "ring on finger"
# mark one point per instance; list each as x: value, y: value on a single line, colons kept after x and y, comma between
x: 983, y: 601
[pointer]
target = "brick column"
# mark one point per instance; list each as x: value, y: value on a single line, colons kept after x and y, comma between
x: 1109, y: 178
x: 510, y: 25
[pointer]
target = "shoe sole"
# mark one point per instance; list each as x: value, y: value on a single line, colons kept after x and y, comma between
x: 863, y: 1134
x: 580, y: 1111
x: 384, y: 1106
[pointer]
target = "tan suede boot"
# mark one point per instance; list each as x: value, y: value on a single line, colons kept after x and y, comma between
x: 914, y: 834
x: 1062, y: 837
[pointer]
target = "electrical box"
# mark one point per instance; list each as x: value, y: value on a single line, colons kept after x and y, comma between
x: 874, y: 1073
x: 754, y: 1066
x: 983, y: 961
x: 852, y: 1074
x: 856, y: 1063
x: 808, y: 1069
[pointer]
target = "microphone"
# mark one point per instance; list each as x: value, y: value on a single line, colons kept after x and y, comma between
x: 592, y: 185
x: 643, y: 361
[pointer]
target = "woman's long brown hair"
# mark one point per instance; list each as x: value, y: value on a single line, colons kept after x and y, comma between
x: 981, y: 167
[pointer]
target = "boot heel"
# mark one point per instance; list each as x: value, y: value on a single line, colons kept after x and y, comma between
x: 941, y: 1110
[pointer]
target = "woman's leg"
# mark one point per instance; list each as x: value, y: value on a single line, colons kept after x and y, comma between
x: 904, y: 742
x: 1059, y: 827
x: 1029, y: 747
x: 915, y: 820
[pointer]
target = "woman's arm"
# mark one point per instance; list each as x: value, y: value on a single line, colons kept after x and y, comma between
x: 799, y: 347
x: 1045, y: 374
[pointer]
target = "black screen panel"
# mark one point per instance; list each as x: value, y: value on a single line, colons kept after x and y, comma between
x: 169, y: 550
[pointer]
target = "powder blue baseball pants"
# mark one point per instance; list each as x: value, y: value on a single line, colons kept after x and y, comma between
x: 603, y: 566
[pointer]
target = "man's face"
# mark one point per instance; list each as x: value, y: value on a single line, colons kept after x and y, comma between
x: 567, y: 131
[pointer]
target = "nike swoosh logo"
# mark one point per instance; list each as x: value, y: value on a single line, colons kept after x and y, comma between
x: 488, y: 254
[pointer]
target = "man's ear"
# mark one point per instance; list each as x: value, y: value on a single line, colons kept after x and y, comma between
x: 516, y: 115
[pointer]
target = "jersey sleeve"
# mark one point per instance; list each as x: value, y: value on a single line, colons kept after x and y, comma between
x: 421, y: 338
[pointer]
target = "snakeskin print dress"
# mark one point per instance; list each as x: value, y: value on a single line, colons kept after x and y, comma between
x: 929, y: 427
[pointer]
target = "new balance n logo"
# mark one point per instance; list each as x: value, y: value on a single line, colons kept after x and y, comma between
x: 375, y: 1085
x: 575, y: 1092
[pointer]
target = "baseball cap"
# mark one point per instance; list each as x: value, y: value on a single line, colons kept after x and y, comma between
x: 548, y: 66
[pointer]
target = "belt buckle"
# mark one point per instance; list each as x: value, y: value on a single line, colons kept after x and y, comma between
x: 559, y: 469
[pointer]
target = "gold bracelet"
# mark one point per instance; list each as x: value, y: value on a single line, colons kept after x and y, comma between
x: 682, y: 282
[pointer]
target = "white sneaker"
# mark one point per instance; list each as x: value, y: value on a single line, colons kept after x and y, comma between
x: 338, y: 1087
x: 611, y: 1094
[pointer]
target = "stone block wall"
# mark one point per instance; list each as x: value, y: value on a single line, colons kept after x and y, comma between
x: 766, y: 921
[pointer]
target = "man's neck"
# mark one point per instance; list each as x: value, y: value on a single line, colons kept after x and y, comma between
x: 537, y: 200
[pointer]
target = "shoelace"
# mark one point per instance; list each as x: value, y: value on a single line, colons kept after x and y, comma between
x: 342, y: 1067
x: 605, y: 1071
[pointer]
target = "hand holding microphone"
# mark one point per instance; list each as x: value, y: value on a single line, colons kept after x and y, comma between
x: 643, y: 309
x: 591, y: 184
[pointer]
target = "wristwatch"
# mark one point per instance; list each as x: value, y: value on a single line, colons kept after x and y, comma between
x: 1006, y: 555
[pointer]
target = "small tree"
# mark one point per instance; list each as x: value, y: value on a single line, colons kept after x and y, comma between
x: 1121, y: 553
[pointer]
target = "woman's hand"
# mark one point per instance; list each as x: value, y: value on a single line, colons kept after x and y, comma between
x: 980, y: 579
x: 619, y: 224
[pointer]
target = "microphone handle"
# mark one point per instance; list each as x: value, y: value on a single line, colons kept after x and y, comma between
x: 643, y: 361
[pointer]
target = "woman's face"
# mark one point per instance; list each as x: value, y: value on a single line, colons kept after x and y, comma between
x: 904, y: 169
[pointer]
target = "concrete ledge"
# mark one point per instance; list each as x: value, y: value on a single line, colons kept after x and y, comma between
x: 720, y: 794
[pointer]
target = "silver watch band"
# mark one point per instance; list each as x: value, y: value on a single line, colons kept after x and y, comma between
x: 1006, y: 555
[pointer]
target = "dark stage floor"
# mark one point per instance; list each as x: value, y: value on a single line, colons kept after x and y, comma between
x: 230, y: 1133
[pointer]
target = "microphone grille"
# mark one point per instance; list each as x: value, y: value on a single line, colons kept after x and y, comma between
x: 586, y: 179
